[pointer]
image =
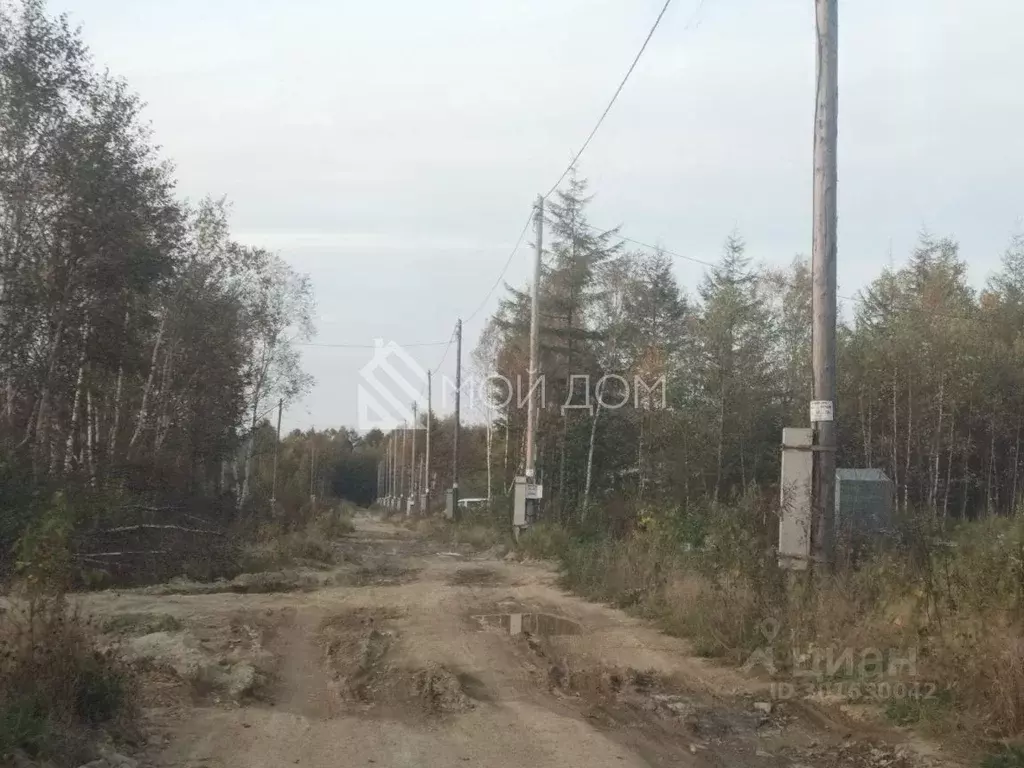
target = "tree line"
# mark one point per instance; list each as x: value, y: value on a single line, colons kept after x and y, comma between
x: 930, y: 375
x: 140, y: 345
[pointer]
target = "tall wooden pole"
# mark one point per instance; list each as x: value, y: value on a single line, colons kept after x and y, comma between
x: 531, y: 406
x: 823, y: 269
x: 394, y: 467
x: 312, y: 467
x: 458, y: 416
x: 401, y: 463
x: 426, y: 459
x: 413, y: 470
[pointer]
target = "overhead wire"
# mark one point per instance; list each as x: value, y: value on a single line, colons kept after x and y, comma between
x: 583, y: 148
x: 615, y: 96
x: 651, y: 247
x: 508, y: 262
x: 372, y: 346
x: 445, y: 355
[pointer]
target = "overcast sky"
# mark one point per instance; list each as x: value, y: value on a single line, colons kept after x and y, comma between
x: 392, y: 150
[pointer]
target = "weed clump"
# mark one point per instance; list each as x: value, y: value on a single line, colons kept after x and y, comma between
x: 274, y: 546
x: 55, y: 683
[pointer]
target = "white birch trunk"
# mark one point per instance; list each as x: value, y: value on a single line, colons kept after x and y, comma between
x: 90, y: 437
x: 76, y: 408
x: 147, y: 392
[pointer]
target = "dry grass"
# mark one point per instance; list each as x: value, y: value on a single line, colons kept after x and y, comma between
x: 959, y: 609
x: 475, y: 531
x: 478, y: 535
x: 274, y: 548
x: 133, y: 624
x: 55, y: 685
x: 544, y: 541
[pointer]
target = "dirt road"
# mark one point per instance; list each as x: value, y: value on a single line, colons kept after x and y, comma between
x: 415, y: 657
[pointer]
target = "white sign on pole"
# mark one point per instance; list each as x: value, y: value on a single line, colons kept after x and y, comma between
x: 534, y: 491
x: 821, y: 410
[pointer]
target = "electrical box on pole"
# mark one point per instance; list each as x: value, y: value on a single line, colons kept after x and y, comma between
x: 527, y: 492
x: 795, y: 501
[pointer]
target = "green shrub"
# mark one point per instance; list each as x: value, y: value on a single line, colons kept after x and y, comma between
x: 335, y: 523
x: 1011, y: 757
x: 274, y: 548
x: 101, y: 691
x: 24, y: 724
x: 54, y: 683
x: 43, y: 553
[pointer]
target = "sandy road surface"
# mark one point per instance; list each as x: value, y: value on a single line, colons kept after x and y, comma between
x: 425, y: 658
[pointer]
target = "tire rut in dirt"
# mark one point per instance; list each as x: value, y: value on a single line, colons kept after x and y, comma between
x: 668, y: 723
x: 361, y: 651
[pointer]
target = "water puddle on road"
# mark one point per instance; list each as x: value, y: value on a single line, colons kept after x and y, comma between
x: 545, y: 624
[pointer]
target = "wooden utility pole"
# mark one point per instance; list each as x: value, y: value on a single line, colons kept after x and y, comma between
x: 277, y: 448
x: 401, y: 464
x: 412, y: 463
x: 386, y: 477
x: 312, y: 467
x: 823, y: 270
x: 391, y: 491
x: 426, y: 459
x: 394, y: 467
x: 531, y: 406
x: 423, y: 479
x: 458, y: 424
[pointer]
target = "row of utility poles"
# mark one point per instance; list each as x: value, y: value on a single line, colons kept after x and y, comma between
x: 823, y: 307
x: 399, y: 475
x: 398, y: 478
x: 393, y: 471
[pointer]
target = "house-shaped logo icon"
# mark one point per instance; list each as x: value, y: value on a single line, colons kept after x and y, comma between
x: 386, y: 395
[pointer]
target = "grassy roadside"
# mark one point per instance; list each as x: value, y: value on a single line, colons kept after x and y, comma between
x: 928, y: 634
x: 309, y: 542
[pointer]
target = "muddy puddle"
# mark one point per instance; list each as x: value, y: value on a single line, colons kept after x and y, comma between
x: 537, y: 624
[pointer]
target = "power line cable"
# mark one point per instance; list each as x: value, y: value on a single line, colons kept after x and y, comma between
x: 445, y: 355
x: 504, y: 269
x: 652, y: 247
x: 615, y: 96
x: 586, y: 144
x: 373, y: 346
